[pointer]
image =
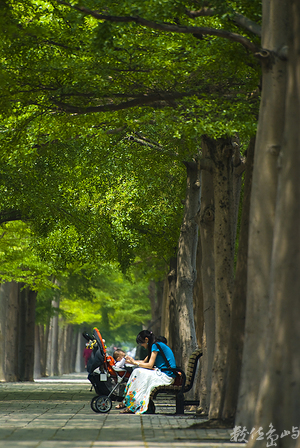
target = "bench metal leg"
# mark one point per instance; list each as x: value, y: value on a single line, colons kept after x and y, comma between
x: 179, y: 403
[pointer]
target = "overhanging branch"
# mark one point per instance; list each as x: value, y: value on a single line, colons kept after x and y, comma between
x: 141, y: 100
x: 146, y: 142
x: 168, y: 27
x: 10, y: 215
x: 237, y: 18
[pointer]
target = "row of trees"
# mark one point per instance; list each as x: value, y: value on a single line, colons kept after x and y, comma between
x: 43, y: 316
x: 105, y: 106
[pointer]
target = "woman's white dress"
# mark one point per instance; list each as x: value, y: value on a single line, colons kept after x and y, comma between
x: 140, y: 385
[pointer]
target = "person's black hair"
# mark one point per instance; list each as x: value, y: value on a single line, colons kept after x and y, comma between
x: 161, y: 339
x: 140, y: 339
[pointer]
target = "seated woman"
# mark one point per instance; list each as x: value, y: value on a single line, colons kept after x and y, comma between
x: 152, y: 372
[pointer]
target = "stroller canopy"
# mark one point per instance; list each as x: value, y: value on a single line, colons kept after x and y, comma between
x: 99, y: 357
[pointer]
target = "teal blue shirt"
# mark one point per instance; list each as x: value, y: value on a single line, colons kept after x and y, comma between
x: 160, y: 362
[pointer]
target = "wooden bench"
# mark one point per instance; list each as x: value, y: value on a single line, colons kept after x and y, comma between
x: 179, y: 391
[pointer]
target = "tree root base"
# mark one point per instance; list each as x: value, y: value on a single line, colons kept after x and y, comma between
x: 213, y: 424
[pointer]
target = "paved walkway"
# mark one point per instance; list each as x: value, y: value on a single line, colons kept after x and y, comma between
x: 56, y: 413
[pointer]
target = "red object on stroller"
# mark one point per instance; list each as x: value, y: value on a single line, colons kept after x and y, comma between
x: 109, y: 383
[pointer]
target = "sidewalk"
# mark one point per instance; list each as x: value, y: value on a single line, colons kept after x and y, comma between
x: 56, y: 413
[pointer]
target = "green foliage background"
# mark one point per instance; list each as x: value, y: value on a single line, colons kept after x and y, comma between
x: 96, y: 120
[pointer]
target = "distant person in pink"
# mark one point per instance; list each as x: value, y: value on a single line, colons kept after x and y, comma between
x: 86, y: 354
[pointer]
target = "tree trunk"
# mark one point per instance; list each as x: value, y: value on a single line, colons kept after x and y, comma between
x: 172, y: 280
x: 198, y: 297
x: 279, y: 395
x: 43, y: 334
x: 80, y: 344
x: 186, y: 341
x: 73, y: 335
x: 21, y: 335
x: 165, y: 315
x: 3, y: 304
x: 52, y: 344
x: 199, y: 319
x: 262, y: 208
x: 11, y: 333
x: 221, y: 152
x: 61, y: 347
x: 205, y: 382
x: 237, y: 325
x: 206, y: 222
x: 26, y: 334
x: 37, y: 354
x: 29, y: 335
x: 159, y: 286
x: 155, y: 298
x: 238, y: 169
x: 69, y: 349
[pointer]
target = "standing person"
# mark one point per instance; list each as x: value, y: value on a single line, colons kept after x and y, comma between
x: 86, y: 354
x: 152, y: 372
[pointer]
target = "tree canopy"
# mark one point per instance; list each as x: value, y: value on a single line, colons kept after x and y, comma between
x: 100, y: 107
x: 95, y: 101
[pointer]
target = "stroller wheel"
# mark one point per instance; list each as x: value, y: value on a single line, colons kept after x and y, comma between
x: 93, y: 403
x: 103, y: 404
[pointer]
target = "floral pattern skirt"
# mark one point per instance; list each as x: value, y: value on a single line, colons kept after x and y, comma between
x: 140, y: 385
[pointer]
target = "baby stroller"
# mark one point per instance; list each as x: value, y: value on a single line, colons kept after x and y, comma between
x: 108, y: 381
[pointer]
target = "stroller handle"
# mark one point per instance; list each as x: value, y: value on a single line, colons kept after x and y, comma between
x: 87, y: 336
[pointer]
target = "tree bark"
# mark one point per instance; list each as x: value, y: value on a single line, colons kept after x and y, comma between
x: 206, y: 221
x: 198, y: 297
x: 172, y: 280
x: 61, y: 359
x: 43, y: 334
x: 205, y: 382
x: 11, y: 336
x: 156, y: 307
x: 186, y: 341
x: 52, y: 344
x: 80, y: 344
x: 37, y: 354
x: 3, y: 303
x: 279, y: 394
x: 237, y: 325
x: 73, y: 349
x: 198, y: 318
x: 165, y: 315
x: 221, y: 152
x: 29, y: 335
x: 21, y: 335
x: 159, y: 286
x: 262, y: 208
x: 26, y: 334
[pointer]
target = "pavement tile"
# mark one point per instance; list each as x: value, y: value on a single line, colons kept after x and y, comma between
x: 56, y: 413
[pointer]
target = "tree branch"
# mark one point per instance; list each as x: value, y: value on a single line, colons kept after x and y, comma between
x: 145, y: 142
x: 141, y: 100
x: 237, y: 18
x: 247, y: 24
x: 168, y: 27
x: 238, y: 170
x: 204, y: 11
x: 148, y: 140
x: 10, y: 215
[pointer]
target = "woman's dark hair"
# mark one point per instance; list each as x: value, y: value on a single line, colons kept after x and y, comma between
x: 140, y: 339
x: 162, y: 339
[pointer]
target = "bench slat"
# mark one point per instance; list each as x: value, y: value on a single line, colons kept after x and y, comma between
x: 178, y: 390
